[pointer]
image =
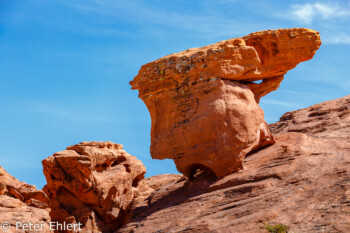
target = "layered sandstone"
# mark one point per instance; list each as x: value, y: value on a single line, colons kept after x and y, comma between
x: 302, y: 181
x: 92, y: 183
x: 21, y: 202
x: 328, y: 119
x: 204, y: 102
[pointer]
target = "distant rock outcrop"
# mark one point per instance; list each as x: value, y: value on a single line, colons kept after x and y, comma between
x: 92, y: 183
x: 204, y: 101
x: 328, y: 119
x: 302, y: 181
x: 22, y: 203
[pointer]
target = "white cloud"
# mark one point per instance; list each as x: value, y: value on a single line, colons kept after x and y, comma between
x: 328, y: 18
x: 15, y: 161
x: 309, y: 11
x: 208, y: 22
x: 277, y: 102
x: 337, y: 39
x: 65, y: 113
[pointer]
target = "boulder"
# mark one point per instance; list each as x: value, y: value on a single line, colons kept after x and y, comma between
x: 92, y: 183
x: 204, y: 101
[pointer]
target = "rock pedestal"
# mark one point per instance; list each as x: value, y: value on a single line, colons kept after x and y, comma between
x: 204, y: 101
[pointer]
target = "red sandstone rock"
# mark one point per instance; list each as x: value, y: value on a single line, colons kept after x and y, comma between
x: 302, y: 181
x: 204, y: 105
x: 12, y: 210
x: 92, y: 183
x: 21, y: 202
x: 148, y: 186
x: 26, y: 193
x: 328, y: 119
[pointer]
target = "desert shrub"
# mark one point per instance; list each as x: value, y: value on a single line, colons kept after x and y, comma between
x: 278, y: 228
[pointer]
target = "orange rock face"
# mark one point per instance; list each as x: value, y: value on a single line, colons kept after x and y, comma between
x: 204, y: 102
x: 26, y: 193
x: 92, y: 183
x: 328, y: 119
x: 21, y: 202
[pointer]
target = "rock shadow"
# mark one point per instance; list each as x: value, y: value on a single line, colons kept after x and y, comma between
x: 199, y: 183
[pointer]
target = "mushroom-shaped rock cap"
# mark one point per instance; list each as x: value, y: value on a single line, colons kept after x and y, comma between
x: 204, y: 102
x: 257, y: 56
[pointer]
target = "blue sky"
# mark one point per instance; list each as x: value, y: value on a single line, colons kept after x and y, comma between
x: 65, y: 67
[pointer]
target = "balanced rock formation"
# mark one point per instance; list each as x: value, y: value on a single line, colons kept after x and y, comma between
x: 92, y: 183
x: 302, y: 181
x: 21, y: 203
x: 204, y: 102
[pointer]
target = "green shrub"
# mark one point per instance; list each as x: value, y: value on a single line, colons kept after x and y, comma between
x: 278, y: 228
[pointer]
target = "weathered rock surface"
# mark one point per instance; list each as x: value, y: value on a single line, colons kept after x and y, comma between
x: 203, y: 101
x: 302, y: 181
x: 92, y: 183
x: 147, y: 188
x: 328, y: 119
x: 21, y: 202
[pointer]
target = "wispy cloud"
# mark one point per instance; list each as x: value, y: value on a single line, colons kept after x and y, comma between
x: 154, y: 19
x: 65, y: 113
x: 14, y: 162
x: 330, y: 19
x: 310, y: 11
x: 277, y: 102
x: 337, y: 38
